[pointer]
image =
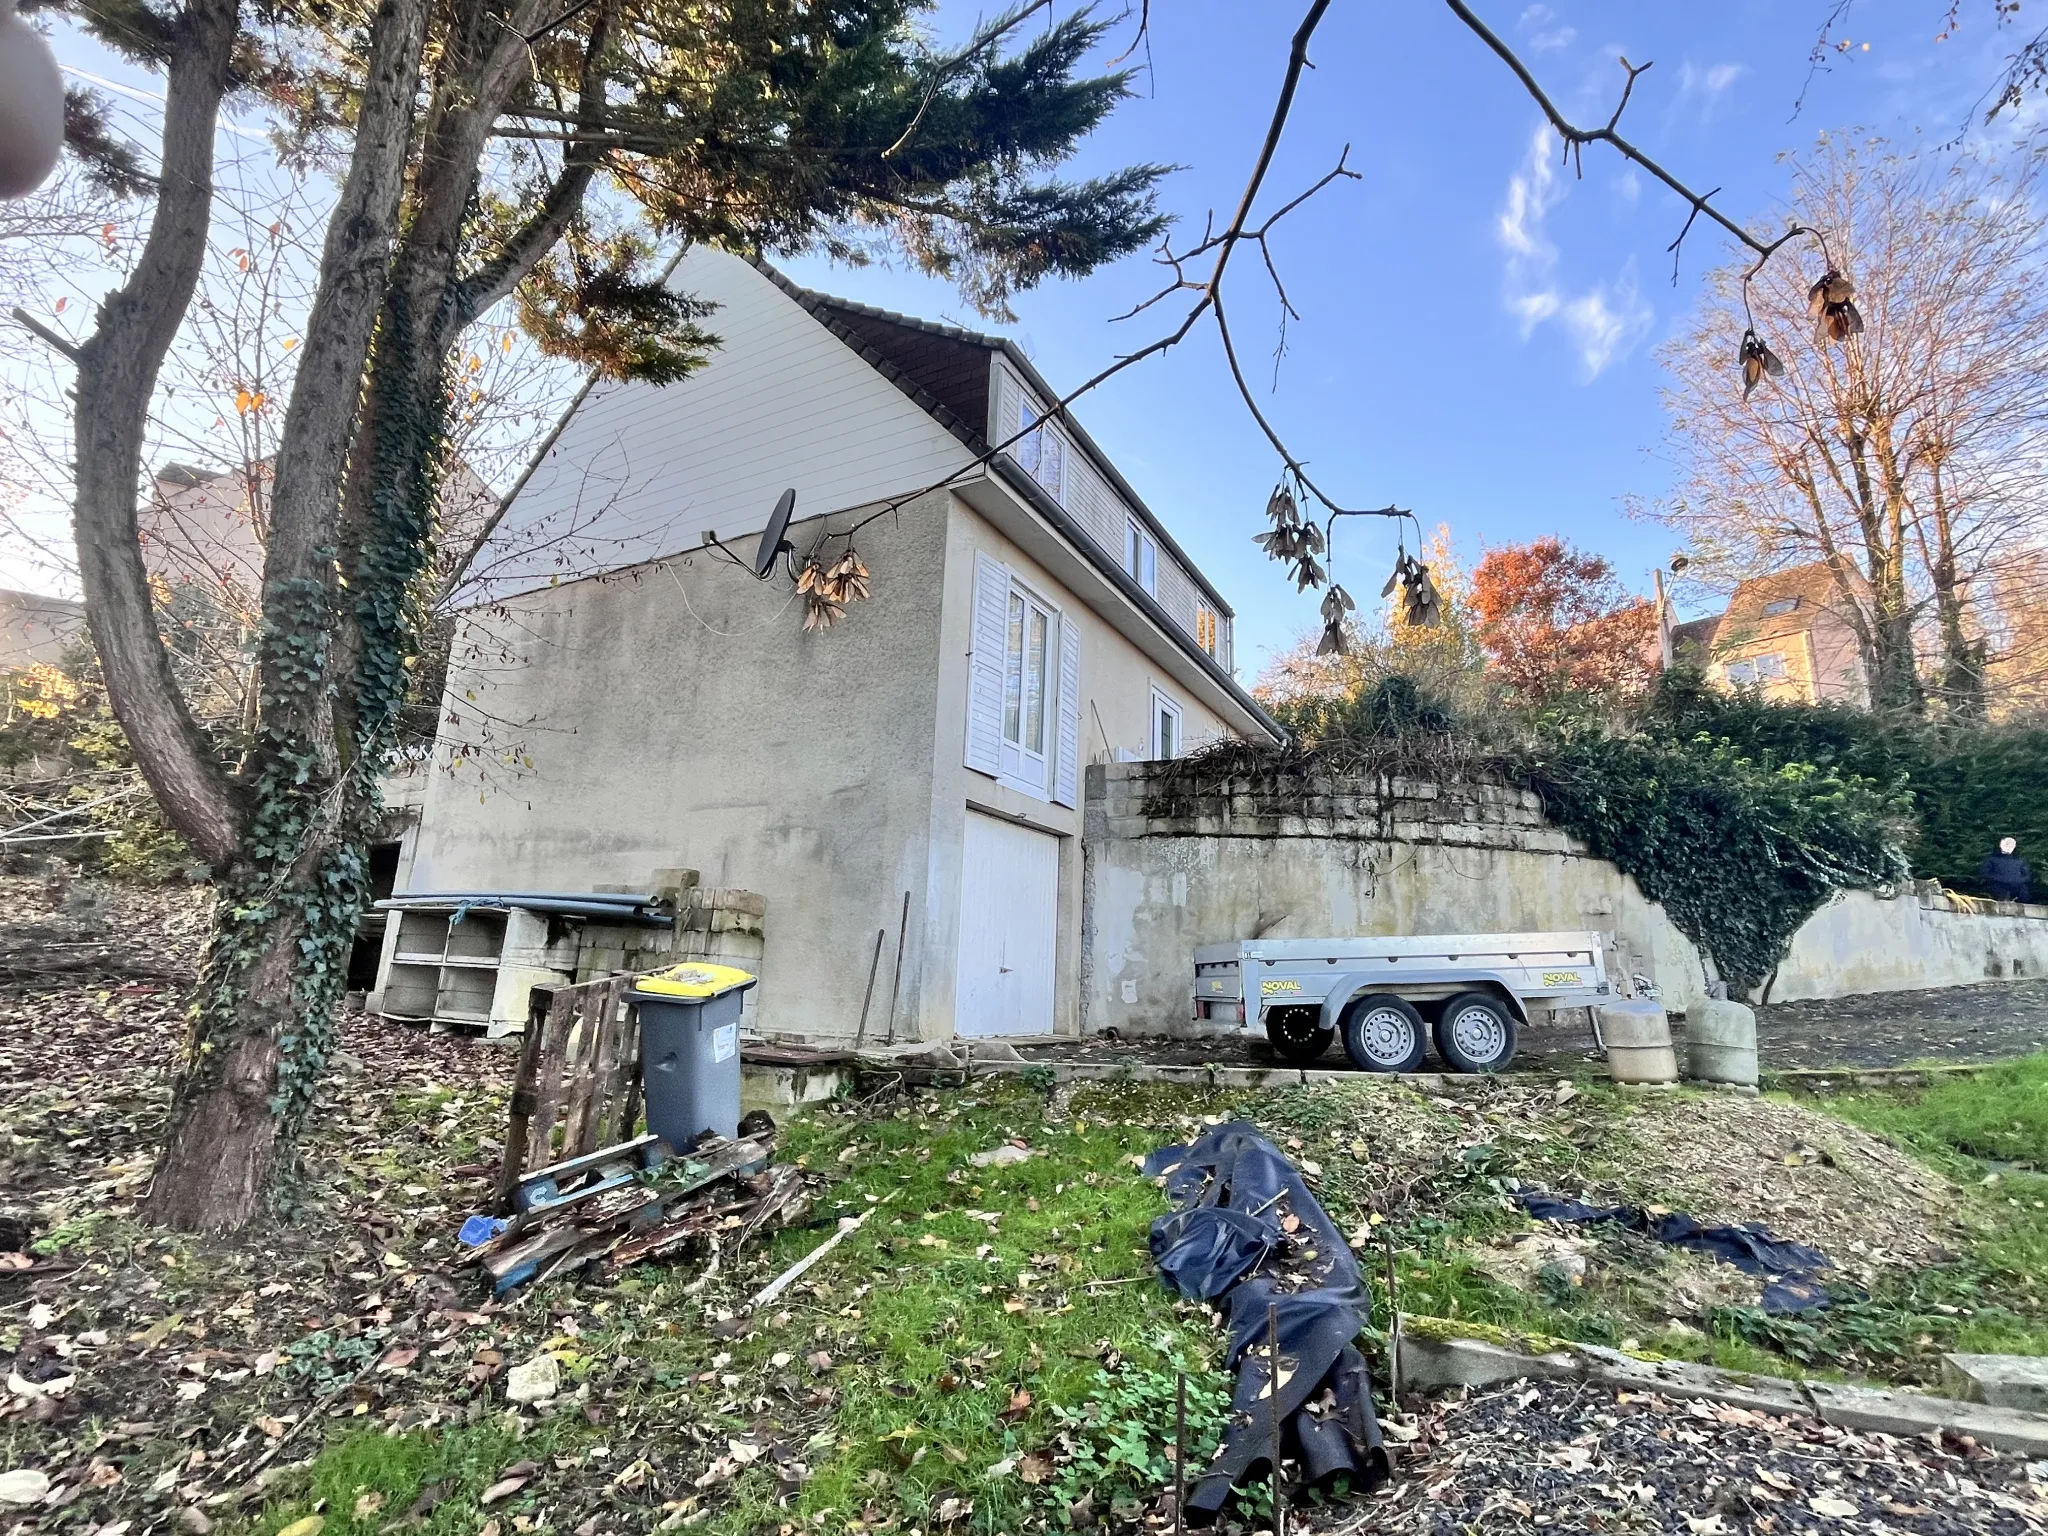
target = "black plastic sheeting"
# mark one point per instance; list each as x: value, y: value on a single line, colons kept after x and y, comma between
x: 1224, y: 1242
x: 1793, y: 1269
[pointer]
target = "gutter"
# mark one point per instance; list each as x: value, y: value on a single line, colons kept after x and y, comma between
x: 1018, y: 481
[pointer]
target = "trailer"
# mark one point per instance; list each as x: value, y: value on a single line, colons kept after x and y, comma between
x: 1388, y: 998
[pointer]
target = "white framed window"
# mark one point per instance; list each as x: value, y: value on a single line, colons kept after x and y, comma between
x: 1042, y: 451
x: 1024, y: 687
x: 1166, y: 727
x: 1206, y: 627
x: 1767, y: 668
x: 1141, y: 556
x: 1030, y: 687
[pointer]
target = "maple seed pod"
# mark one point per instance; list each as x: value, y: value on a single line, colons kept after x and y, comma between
x: 1757, y: 361
x: 1830, y: 302
x: 1280, y: 508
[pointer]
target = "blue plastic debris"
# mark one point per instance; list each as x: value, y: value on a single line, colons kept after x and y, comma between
x: 478, y: 1230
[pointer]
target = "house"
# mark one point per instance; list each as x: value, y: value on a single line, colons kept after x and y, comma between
x: 655, y: 706
x: 1785, y: 635
x: 35, y: 628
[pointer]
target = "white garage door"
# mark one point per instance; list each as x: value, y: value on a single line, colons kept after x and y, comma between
x: 1009, y: 928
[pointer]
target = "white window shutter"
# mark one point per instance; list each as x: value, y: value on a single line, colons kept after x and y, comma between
x: 985, y: 666
x: 1067, y: 775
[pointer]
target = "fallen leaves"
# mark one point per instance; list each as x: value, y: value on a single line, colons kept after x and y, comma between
x: 509, y: 1482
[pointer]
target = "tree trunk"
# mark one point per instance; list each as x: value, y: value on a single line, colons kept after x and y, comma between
x: 216, y: 1164
x: 1962, y: 659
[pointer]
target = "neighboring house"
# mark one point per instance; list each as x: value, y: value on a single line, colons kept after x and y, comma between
x: 1029, y: 614
x: 1783, y: 634
x: 34, y: 628
x: 206, y: 527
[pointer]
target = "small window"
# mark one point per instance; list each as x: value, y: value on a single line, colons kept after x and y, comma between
x: 1166, y: 733
x: 1205, y: 627
x: 1780, y: 607
x: 1769, y: 667
x: 1740, y: 674
x: 1041, y: 451
x: 1141, y: 556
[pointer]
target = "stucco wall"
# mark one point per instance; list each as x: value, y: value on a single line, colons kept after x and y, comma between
x: 1860, y: 942
x: 1334, y: 857
x: 677, y: 715
x: 1115, y: 708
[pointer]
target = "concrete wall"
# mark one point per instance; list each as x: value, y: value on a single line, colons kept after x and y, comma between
x: 1259, y: 859
x: 677, y: 715
x: 1924, y: 937
x: 1256, y: 858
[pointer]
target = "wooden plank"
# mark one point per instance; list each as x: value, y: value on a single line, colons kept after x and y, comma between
x: 579, y: 1125
x: 630, y: 1067
x: 540, y: 1149
x: 524, y: 1095
x: 604, y: 1116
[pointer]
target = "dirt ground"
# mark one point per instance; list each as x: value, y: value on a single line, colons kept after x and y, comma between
x: 1993, y: 1022
x: 1581, y: 1458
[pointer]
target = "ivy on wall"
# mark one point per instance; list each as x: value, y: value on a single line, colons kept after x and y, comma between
x: 1739, y: 841
x: 1738, y: 852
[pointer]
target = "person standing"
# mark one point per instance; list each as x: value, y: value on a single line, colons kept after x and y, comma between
x: 2005, y: 873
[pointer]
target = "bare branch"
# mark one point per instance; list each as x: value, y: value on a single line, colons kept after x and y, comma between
x: 1575, y: 139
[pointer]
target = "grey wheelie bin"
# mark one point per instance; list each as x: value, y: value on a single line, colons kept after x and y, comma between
x: 690, y: 1050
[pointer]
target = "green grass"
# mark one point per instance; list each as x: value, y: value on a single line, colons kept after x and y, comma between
x: 959, y: 1345
x: 367, y: 1481
x: 1989, y: 1132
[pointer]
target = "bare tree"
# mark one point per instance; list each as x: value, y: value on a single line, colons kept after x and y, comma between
x: 1904, y: 456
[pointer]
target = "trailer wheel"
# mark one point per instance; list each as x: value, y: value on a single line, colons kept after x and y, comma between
x: 1297, y: 1033
x: 1383, y: 1033
x: 1475, y: 1033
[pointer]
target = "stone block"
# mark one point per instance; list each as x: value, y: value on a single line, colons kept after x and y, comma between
x: 1436, y: 1365
x: 2002, y: 1381
x: 1292, y: 826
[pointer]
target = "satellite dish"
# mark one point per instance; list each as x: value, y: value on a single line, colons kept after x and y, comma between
x: 772, y: 541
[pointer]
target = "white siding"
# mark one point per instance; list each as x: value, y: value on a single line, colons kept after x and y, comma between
x: 642, y: 471
x: 1096, y: 506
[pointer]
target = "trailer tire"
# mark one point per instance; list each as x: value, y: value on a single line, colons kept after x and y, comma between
x: 1475, y: 1032
x: 1297, y: 1034
x: 1384, y: 1033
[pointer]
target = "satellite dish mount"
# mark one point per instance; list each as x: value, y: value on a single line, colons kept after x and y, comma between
x: 773, y: 544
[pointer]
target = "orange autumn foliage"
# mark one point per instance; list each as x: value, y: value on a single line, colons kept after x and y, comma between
x: 1553, y: 619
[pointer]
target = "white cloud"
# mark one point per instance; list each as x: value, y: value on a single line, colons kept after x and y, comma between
x: 1707, y: 84
x: 1535, y: 24
x: 1604, y: 322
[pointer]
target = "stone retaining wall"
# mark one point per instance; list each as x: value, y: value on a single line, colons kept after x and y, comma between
x: 1171, y: 863
x: 1254, y: 856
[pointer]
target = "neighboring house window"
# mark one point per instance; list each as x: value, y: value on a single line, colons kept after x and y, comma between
x: 1024, y: 687
x: 1205, y: 627
x: 1041, y: 451
x: 1166, y: 733
x: 1141, y: 556
x: 1781, y: 607
x: 1767, y: 668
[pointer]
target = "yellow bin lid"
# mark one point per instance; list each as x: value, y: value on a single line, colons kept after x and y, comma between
x: 694, y: 980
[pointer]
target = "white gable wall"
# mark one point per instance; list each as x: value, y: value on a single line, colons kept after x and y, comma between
x: 642, y: 471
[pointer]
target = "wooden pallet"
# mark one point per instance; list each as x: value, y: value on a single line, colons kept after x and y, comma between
x: 578, y: 1087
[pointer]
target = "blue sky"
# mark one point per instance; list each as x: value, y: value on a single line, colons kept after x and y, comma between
x: 1477, y: 327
